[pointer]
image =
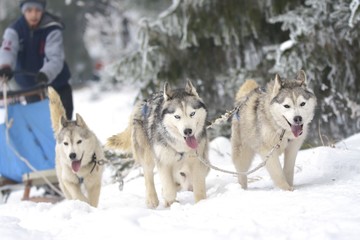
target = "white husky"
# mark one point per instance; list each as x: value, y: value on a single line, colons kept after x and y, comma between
x: 284, y: 106
x: 78, y: 152
x: 168, y: 130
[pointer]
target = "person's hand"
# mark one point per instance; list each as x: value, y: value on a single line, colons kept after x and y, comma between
x: 41, y: 78
x: 5, y: 71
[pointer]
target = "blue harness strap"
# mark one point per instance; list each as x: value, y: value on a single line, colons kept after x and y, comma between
x: 145, y: 110
x: 259, y: 90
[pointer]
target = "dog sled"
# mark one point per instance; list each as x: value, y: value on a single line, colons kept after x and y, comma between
x: 27, y: 144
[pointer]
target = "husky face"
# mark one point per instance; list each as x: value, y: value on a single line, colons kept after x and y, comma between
x: 184, y: 115
x: 75, y: 142
x: 292, y: 104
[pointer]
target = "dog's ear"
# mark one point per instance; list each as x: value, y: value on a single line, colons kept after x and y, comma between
x: 301, y: 78
x: 168, y: 94
x: 63, y: 122
x: 80, y: 121
x: 190, y: 89
x: 277, y: 85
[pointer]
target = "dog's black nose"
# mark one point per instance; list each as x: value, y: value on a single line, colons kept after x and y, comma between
x: 298, y: 120
x: 72, y: 156
x: 188, y: 131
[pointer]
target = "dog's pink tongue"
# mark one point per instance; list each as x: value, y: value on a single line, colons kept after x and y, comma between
x: 191, y: 142
x: 75, y: 165
x: 296, y: 130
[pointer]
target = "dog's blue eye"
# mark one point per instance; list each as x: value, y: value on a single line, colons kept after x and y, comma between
x: 177, y: 116
x: 78, y: 142
x: 286, y: 106
x: 302, y: 104
x: 192, y: 114
x: 65, y: 143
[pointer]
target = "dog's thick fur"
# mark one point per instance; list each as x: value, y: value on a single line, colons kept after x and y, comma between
x: 168, y: 131
x: 77, y: 153
x: 284, y: 105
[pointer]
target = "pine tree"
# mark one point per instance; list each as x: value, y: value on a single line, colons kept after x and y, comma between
x: 219, y: 44
x: 324, y: 41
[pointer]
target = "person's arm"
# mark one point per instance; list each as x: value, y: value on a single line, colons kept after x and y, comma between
x: 54, y: 55
x: 9, y: 48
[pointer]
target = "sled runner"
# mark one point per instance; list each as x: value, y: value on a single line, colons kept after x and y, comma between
x: 27, y: 144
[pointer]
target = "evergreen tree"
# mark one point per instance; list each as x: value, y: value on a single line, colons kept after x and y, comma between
x: 324, y: 41
x: 219, y: 44
x: 215, y: 43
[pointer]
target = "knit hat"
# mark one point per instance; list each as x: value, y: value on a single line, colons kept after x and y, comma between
x: 39, y: 4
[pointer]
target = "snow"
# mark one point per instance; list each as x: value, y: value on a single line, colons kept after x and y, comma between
x: 287, y: 45
x: 354, y: 5
x: 324, y: 204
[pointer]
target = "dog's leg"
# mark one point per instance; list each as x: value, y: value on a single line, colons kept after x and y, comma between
x: 68, y: 185
x: 242, y: 160
x: 58, y: 169
x: 152, y: 200
x: 74, y: 191
x: 241, y: 155
x: 276, y: 173
x: 64, y: 190
x: 148, y: 164
x: 289, y: 159
x: 199, y: 173
x: 169, y: 187
x: 93, y: 190
x: 143, y: 154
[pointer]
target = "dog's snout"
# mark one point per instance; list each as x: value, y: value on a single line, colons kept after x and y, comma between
x: 72, y: 156
x: 298, y: 119
x: 188, y: 131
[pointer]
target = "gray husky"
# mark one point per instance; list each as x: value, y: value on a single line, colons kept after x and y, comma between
x: 263, y: 115
x: 168, y: 131
x: 78, y: 152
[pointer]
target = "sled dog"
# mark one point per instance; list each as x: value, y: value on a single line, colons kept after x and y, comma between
x: 78, y: 152
x: 262, y: 116
x: 168, y: 131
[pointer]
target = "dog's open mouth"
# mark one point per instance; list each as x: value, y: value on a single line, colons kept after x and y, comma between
x: 296, y: 129
x: 191, y: 142
x: 76, y: 164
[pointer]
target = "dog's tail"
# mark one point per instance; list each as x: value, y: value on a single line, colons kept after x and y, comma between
x: 121, y: 140
x: 56, y: 109
x: 245, y: 89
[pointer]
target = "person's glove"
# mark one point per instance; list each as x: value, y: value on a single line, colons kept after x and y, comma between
x: 6, y: 71
x: 41, y: 78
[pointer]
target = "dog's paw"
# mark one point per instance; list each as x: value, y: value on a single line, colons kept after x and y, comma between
x: 287, y: 188
x: 169, y: 203
x: 152, y: 202
x: 199, y: 196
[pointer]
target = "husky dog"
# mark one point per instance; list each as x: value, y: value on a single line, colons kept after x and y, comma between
x: 78, y: 152
x: 168, y: 131
x: 285, y: 105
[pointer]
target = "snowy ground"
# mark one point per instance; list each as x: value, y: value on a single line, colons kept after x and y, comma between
x: 324, y: 205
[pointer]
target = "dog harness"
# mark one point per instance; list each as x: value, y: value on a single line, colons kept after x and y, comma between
x: 259, y: 90
x: 93, y: 161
